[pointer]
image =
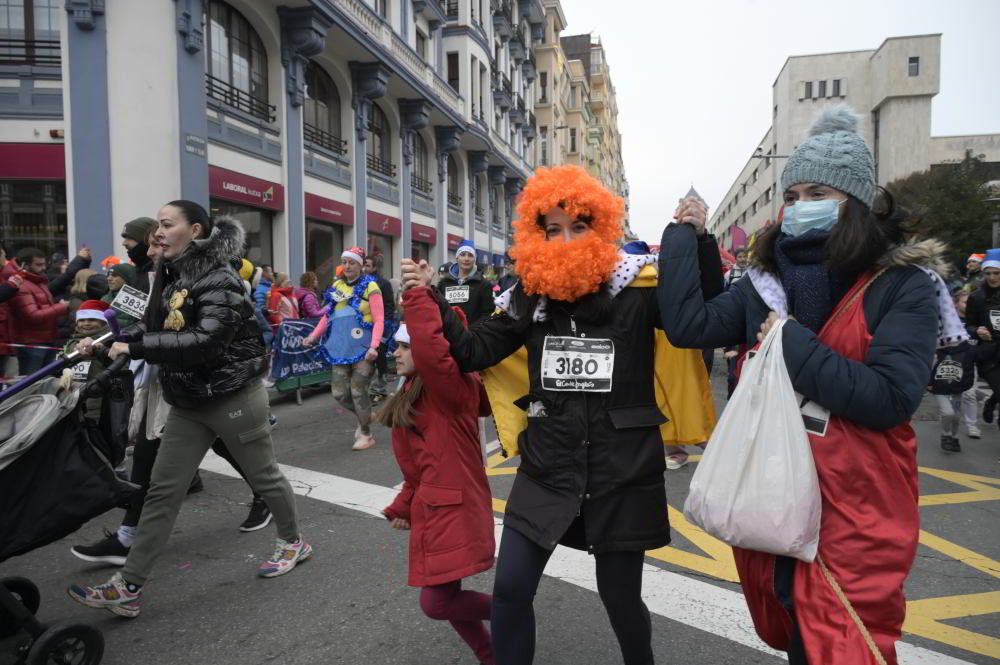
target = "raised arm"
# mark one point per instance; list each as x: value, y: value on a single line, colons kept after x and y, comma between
x: 431, y: 353
x: 695, y: 311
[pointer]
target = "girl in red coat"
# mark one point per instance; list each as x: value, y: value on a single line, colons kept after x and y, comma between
x: 446, y: 500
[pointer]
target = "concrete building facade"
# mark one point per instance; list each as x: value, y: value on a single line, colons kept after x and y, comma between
x: 402, y: 126
x: 891, y: 87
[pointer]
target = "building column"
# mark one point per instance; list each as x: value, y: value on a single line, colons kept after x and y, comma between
x: 88, y: 150
x: 368, y: 82
x: 497, y: 177
x: 303, y: 34
x: 191, y: 102
x: 414, y: 115
x: 479, y: 161
x: 447, y: 140
x: 513, y: 188
x: 439, y: 29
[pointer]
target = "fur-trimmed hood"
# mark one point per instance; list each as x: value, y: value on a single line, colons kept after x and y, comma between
x: 221, y: 248
x: 923, y: 253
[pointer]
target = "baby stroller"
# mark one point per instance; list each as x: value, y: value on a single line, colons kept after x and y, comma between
x: 57, y: 471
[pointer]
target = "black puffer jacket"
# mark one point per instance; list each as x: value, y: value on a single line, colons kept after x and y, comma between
x: 595, y: 456
x: 900, y: 310
x: 218, y: 348
x: 474, y: 296
x: 983, y: 311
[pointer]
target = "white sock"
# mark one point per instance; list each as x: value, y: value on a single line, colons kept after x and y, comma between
x: 127, y: 534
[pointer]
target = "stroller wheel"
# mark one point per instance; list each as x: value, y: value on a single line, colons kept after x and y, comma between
x: 26, y: 593
x: 67, y: 644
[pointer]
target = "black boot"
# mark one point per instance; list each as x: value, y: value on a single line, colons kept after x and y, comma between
x: 989, y: 408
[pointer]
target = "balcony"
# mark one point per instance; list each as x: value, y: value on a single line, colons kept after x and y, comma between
x: 324, y: 140
x: 529, y: 70
x: 239, y: 99
x: 32, y: 52
x: 422, y: 185
x: 480, y: 214
x: 451, y: 10
x: 503, y: 27
x: 501, y: 92
x: 434, y: 10
x: 517, y: 49
x: 381, y: 166
x: 455, y: 200
x: 597, y: 101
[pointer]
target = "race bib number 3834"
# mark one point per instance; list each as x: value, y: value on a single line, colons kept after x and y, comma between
x: 578, y: 364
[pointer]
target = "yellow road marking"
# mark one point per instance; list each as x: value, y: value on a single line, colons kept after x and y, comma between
x: 961, y: 554
x: 924, y: 618
x: 982, y: 488
x: 719, y: 562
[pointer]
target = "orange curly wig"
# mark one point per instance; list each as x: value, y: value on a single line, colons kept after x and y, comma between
x: 555, y: 268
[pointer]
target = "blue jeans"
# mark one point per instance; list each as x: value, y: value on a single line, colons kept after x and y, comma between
x: 30, y: 361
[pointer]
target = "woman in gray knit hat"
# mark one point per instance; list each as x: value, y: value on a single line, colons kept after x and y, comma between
x: 865, y: 309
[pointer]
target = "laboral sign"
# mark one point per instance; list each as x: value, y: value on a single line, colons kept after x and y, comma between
x: 240, y: 188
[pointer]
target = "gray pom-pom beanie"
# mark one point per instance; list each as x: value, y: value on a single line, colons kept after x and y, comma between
x: 835, y: 154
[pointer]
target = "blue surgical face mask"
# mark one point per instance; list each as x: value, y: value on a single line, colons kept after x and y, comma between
x: 806, y: 216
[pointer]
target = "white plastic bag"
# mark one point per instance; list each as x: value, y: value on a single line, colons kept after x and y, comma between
x: 756, y: 485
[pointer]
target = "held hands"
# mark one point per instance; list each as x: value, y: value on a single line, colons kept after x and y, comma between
x: 984, y: 334
x: 772, y: 320
x: 693, y: 212
x: 729, y: 355
x: 415, y: 274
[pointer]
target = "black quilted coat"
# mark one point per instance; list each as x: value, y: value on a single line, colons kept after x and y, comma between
x: 218, y: 349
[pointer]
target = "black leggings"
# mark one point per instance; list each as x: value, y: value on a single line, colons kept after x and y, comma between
x: 143, y: 459
x: 519, y: 570
x: 784, y: 586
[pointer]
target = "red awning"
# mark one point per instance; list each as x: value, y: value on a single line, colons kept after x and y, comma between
x: 32, y: 161
x: 426, y: 234
x: 384, y: 224
x: 328, y: 210
x: 454, y: 241
x: 241, y: 188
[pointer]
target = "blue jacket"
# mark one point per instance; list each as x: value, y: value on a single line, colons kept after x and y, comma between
x: 900, y: 309
x: 260, y: 294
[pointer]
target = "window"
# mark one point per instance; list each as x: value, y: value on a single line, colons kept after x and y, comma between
x: 914, y: 66
x: 29, y: 32
x: 421, y: 175
x: 572, y: 139
x: 753, y: 208
x: 572, y: 96
x: 237, y: 62
x: 808, y: 93
x: 422, y: 44
x: 836, y: 87
x: 543, y: 87
x: 454, y: 190
x: 382, y: 8
x: 822, y: 89
x: 755, y: 175
x: 321, y: 111
x: 544, y: 145
x: 378, y: 142
x: 33, y: 214
x: 453, y: 70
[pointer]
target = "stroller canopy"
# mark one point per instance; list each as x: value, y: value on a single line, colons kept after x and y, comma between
x: 25, y: 418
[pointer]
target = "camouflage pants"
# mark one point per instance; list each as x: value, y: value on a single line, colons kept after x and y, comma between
x: 350, y: 388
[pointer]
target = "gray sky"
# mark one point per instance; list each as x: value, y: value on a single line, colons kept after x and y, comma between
x: 694, y: 77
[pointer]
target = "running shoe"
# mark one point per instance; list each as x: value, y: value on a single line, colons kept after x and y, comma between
x: 363, y: 442
x: 950, y: 444
x: 675, y: 462
x: 974, y: 432
x: 113, y: 595
x: 259, y: 517
x: 107, y: 550
x: 989, y: 409
x: 272, y: 420
x: 286, y: 556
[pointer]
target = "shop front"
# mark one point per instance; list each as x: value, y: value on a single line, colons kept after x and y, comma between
x: 423, y: 238
x: 382, y: 230
x: 326, y: 220
x: 453, y: 242
x: 33, y: 198
x: 253, y: 202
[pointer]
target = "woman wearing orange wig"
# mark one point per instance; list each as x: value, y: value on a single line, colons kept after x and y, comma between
x: 592, y: 464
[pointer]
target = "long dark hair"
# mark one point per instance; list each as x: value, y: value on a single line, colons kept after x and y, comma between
x: 399, y: 410
x: 860, y: 238
x: 195, y: 214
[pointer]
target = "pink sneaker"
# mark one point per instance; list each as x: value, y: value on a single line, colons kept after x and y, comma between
x: 286, y: 556
x: 113, y: 596
x: 363, y: 442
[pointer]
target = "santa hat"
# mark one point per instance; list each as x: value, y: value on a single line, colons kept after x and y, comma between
x: 92, y: 309
x: 976, y: 257
x: 402, y: 336
x: 467, y: 247
x: 355, y: 253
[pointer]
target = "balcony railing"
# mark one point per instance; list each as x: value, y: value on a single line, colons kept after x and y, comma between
x: 454, y: 200
x: 421, y: 184
x: 451, y: 10
x: 35, y: 52
x: 379, y: 165
x: 238, y: 99
x: 326, y: 140
x: 480, y: 213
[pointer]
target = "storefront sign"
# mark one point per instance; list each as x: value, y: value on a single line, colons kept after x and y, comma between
x: 328, y: 210
x: 195, y: 145
x: 425, y: 234
x: 384, y: 224
x: 32, y: 161
x: 232, y: 186
x: 454, y: 241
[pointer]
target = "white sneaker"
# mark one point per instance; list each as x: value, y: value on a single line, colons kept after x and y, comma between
x: 675, y: 462
x: 363, y: 442
x: 974, y: 432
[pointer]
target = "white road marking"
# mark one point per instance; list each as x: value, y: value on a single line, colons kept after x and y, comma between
x: 713, y: 609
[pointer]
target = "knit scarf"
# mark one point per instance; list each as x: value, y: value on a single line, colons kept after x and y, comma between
x: 813, y: 288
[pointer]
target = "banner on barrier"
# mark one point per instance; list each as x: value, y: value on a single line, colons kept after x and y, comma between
x: 291, y: 357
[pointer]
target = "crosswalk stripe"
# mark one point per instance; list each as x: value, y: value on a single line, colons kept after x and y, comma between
x: 713, y: 609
